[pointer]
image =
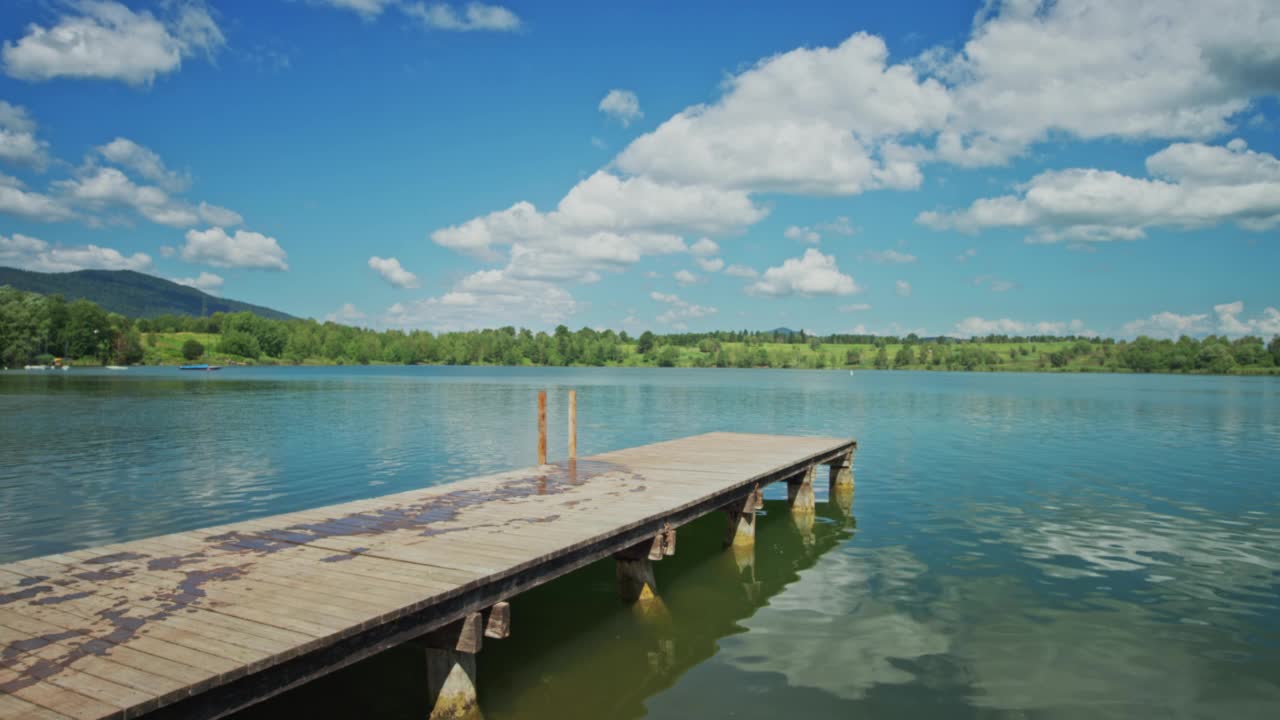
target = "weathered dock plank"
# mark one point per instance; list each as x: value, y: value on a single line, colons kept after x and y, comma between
x: 200, y: 623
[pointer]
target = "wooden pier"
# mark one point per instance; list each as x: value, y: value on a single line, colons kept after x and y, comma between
x: 200, y: 624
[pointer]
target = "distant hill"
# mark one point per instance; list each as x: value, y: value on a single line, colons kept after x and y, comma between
x: 132, y: 294
x: 783, y: 331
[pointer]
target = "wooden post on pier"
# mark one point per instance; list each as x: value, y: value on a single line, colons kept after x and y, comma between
x: 841, y: 482
x: 637, y: 584
x: 542, y: 427
x: 451, y: 668
x: 573, y: 426
x: 800, y: 492
x: 742, y: 520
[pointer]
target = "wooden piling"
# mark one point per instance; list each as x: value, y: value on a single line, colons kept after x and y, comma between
x: 742, y: 520
x: 800, y: 492
x: 841, y: 482
x: 573, y: 426
x: 542, y: 427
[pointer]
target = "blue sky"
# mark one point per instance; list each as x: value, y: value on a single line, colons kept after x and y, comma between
x: 938, y: 167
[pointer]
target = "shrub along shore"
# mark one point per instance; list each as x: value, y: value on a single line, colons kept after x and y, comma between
x: 35, y: 328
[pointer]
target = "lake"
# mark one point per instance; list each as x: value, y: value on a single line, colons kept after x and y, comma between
x: 1021, y: 545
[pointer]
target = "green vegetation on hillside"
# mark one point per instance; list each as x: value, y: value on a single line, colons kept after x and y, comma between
x: 132, y: 294
x: 33, y: 328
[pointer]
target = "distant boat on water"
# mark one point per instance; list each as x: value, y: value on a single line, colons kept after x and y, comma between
x: 36, y: 367
x: 200, y: 367
x: 117, y: 367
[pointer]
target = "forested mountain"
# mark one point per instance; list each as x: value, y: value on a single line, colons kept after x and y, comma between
x: 129, y: 293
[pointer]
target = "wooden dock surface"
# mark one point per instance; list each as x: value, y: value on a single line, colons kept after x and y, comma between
x: 201, y: 623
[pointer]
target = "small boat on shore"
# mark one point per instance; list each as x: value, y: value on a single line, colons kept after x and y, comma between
x: 200, y: 367
x: 35, y: 367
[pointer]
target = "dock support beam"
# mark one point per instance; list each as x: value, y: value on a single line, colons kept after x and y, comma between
x: 800, y: 492
x: 451, y: 668
x: 542, y: 427
x: 637, y: 584
x: 742, y: 519
x: 841, y: 479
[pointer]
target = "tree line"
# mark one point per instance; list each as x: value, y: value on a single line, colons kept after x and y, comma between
x: 36, y: 328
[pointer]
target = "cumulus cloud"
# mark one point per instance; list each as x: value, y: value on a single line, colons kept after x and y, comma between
x: 28, y: 253
x: 684, y: 278
x: 979, y: 327
x: 106, y: 40
x: 839, y: 226
x: 604, y: 223
x: 622, y: 105
x: 1192, y: 185
x: 1229, y: 322
x: 855, y: 307
x: 392, y: 272
x: 710, y: 264
x: 704, y: 247
x: 812, y: 120
x: 891, y: 257
x: 97, y: 188
x: 476, y: 17
x: 679, y: 310
x: 802, y: 234
x: 206, y: 281
x: 15, y: 199
x: 741, y: 271
x: 244, y: 249
x: 18, y: 142
x: 811, y: 274
x: 488, y: 298
x: 348, y: 314
x: 1168, y: 325
x: 1092, y: 68
x: 902, y: 287
x: 145, y: 162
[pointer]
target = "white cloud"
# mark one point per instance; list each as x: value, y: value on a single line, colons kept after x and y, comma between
x: 889, y: 257
x: 215, y: 215
x: 1193, y: 186
x: 244, y: 249
x: 679, y: 310
x: 839, y: 226
x: 603, y: 223
x: 392, y: 272
x: 486, y: 299
x: 710, y: 264
x: 811, y: 274
x: 966, y: 255
x: 902, y: 287
x: 474, y: 18
x: 741, y: 271
x: 1092, y: 68
x: 1168, y: 325
x: 18, y: 142
x: 145, y: 162
x: 348, y: 314
x: 368, y: 9
x: 684, y: 278
x: 28, y: 253
x: 1229, y: 322
x: 979, y: 327
x: 995, y: 284
x: 704, y: 247
x: 101, y: 188
x: 812, y: 120
x: 15, y: 199
x: 108, y: 41
x: 206, y: 281
x: 802, y: 234
x: 622, y: 105
x: 855, y: 307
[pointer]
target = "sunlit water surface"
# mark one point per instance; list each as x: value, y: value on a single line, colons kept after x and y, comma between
x: 1021, y: 545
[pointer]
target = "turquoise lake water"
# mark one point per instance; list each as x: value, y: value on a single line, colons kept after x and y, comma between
x: 1021, y: 545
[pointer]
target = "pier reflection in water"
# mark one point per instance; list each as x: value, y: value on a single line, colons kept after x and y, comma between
x: 577, y: 651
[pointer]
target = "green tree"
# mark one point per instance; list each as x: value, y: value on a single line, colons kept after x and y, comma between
x: 906, y: 356
x: 645, y: 343
x: 238, y: 342
x: 192, y: 349
x: 882, y: 359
